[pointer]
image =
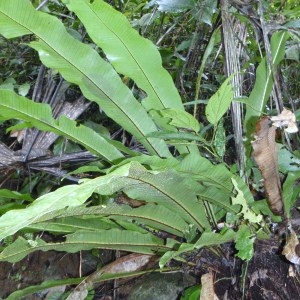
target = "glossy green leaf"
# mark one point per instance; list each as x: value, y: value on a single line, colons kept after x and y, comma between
x: 181, y: 119
x: 244, y: 243
x: 217, y: 196
x: 217, y: 179
x: 8, y: 194
x: 207, y: 11
x: 39, y: 115
x: 149, y: 215
x: 71, y: 195
x: 87, y: 240
x: 154, y: 163
x: 246, y: 211
x: 264, y: 81
x: 131, y: 54
x: 181, y: 137
x: 183, y: 248
x: 21, y: 293
x: 171, y: 189
x: 206, y: 239
x: 219, y: 103
x: 73, y: 224
x: 293, y: 23
x: 293, y: 52
x: 212, y: 238
x: 67, y: 196
x: 168, y: 188
x: 215, y: 37
x: 80, y: 64
x: 290, y: 191
x: 287, y: 161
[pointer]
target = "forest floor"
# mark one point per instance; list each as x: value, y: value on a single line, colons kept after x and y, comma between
x: 267, y: 276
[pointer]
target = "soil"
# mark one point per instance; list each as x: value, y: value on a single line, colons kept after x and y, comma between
x: 267, y: 276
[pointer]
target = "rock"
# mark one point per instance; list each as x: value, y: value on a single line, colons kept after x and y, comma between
x: 161, y: 286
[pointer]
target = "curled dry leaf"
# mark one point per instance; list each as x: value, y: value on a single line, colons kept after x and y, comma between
x: 285, y: 119
x: 265, y: 153
x: 291, y: 247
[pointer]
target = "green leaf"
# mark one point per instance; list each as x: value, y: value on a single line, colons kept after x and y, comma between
x: 67, y: 196
x: 183, y: 248
x: 191, y: 293
x: 216, y: 179
x: 80, y: 64
x: 293, y: 52
x: 177, y: 136
x: 290, y: 191
x: 219, y: 103
x: 244, y: 243
x: 217, y: 196
x: 153, y: 163
x: 151, y: 215
x: 87, y: 169
x: 7, y: 194
x: 86, y: 240
x: 264, y: 81
x: 206, y: 239
x: 181, y: 119
x: 24, y: 89
x: 39, y: 115
x: 220, y: 139
x: 212, y: 238
x: 262, y: 207
x: 246, y: 211
x: 287, y: 161
x: 71, y: 195
x: 129, y: 53
x: 73, y: 224
x: 170, y: 189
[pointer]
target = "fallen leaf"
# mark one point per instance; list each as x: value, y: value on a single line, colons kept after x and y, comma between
x: 265, y: 153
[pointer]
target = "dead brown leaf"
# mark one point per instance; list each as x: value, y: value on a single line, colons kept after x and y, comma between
x: 265, y: 153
